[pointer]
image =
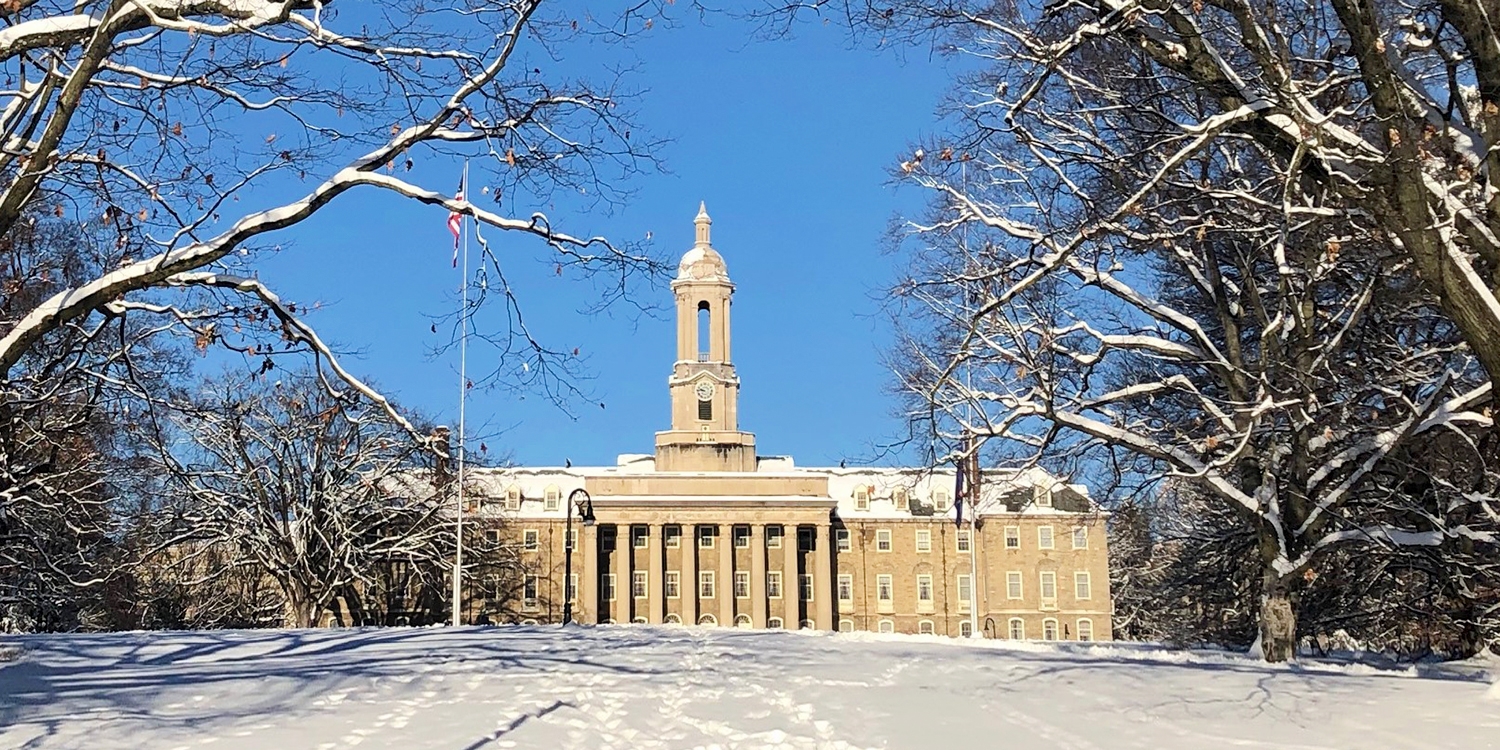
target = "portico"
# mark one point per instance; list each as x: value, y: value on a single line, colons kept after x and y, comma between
x: 657, y: 539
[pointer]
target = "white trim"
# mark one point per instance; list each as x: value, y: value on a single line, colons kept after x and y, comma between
x: 1056, y: 631
x: 1045, y: 542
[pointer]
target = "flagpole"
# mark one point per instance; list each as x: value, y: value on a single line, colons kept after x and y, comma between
x: 974, y: 549
x: 463, y: 391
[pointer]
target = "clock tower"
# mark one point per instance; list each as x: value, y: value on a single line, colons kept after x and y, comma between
x: 705, y: 433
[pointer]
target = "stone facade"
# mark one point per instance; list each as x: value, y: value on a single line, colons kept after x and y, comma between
x: 705, y: 531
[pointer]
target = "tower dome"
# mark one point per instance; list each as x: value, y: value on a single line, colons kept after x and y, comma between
x: 702, y: 263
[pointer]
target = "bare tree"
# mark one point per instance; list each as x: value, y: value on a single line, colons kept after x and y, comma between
x: 284, y: 481
x: 1186, y: 241
x: 150, y: 153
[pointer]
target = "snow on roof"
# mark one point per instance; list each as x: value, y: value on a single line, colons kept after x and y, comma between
x: 1003, y: 491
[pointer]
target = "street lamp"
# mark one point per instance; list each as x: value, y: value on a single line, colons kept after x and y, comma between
x: 585, y: 504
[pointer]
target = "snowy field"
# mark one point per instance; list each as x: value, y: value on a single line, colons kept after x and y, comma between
x: 639, y: 687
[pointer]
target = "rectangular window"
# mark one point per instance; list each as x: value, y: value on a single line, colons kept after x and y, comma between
x: 805, y: 587
x: 1081, y: 538
x: 841, y: 537
x: 924, y: 540
x: 513, y: 498
x: 638, y: 584
x: 551, y: 501
x: 940, y: 500
x: 493, y: 536
x: 741, y: 584
x: 530, y: 539
x: 862, y: 497
x: 1013, y: 585
x: 773, y: 584
x: 773, y: 536
x: 671, y: 586
x: 608, y: 584
x: 638, y: 537
x: 572, y: 538
x: 672, y: 536
x: 572, y: 592
x: 1043, y: 497
x: 805, y: 536
x: 1081, y: 587
x: 741, y: 537
x: 883, y: 540
x: 965, y: 591
x: 706, y: 536
x: 1049, y: 585
x: 1044, y: 537
x: 705, y: 410
x: 924, y: 589
x: 705, y: 584
x: 1012, y: 537
x: 884, y: 589
x: 528, y: 595
x: 846, y: 587
x: 963, y: 540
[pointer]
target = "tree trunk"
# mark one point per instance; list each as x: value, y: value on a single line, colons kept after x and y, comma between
x: 1278, y: 622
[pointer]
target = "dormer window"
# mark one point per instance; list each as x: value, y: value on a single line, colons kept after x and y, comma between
x: 899, y: 496
x: 940, y: 499
x: 513, y: 497
x: 862, y: 498
x: 1042, y: 496
x: 552, y: 498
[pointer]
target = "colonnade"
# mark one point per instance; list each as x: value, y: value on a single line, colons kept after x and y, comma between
x: 724, y: 605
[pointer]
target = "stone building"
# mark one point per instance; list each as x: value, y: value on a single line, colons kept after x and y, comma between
x: 704, y: 530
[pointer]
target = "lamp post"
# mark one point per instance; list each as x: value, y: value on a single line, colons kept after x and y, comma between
x: 585, y: 504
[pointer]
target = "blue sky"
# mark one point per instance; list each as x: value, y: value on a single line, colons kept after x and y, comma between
x: 788, y: 141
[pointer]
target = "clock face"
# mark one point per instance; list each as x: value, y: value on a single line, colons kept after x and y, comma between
x: 705, y: 390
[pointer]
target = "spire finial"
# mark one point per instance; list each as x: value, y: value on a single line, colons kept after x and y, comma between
x: 703, y: 223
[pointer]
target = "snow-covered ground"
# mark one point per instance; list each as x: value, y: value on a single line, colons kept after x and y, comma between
x: 640, y: 687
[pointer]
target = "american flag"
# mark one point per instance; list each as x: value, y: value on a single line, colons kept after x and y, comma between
x: 958, y: 492
x: 456, y: 221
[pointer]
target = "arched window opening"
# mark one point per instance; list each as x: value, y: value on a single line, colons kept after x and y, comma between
x: 774, y: 623
x: 705, y: 318
x: 846, y: 625
x: 809, y: 625
x: 674, y: 619
x: 708, y: 620
x: 742, y: 621
x: 966, y: 628
x: 926, y: 627
x: 1049, y: 629
x: 1085, y: 629
x: 1017, y: 629
x: 705, y: 409
x: 886, y: 626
